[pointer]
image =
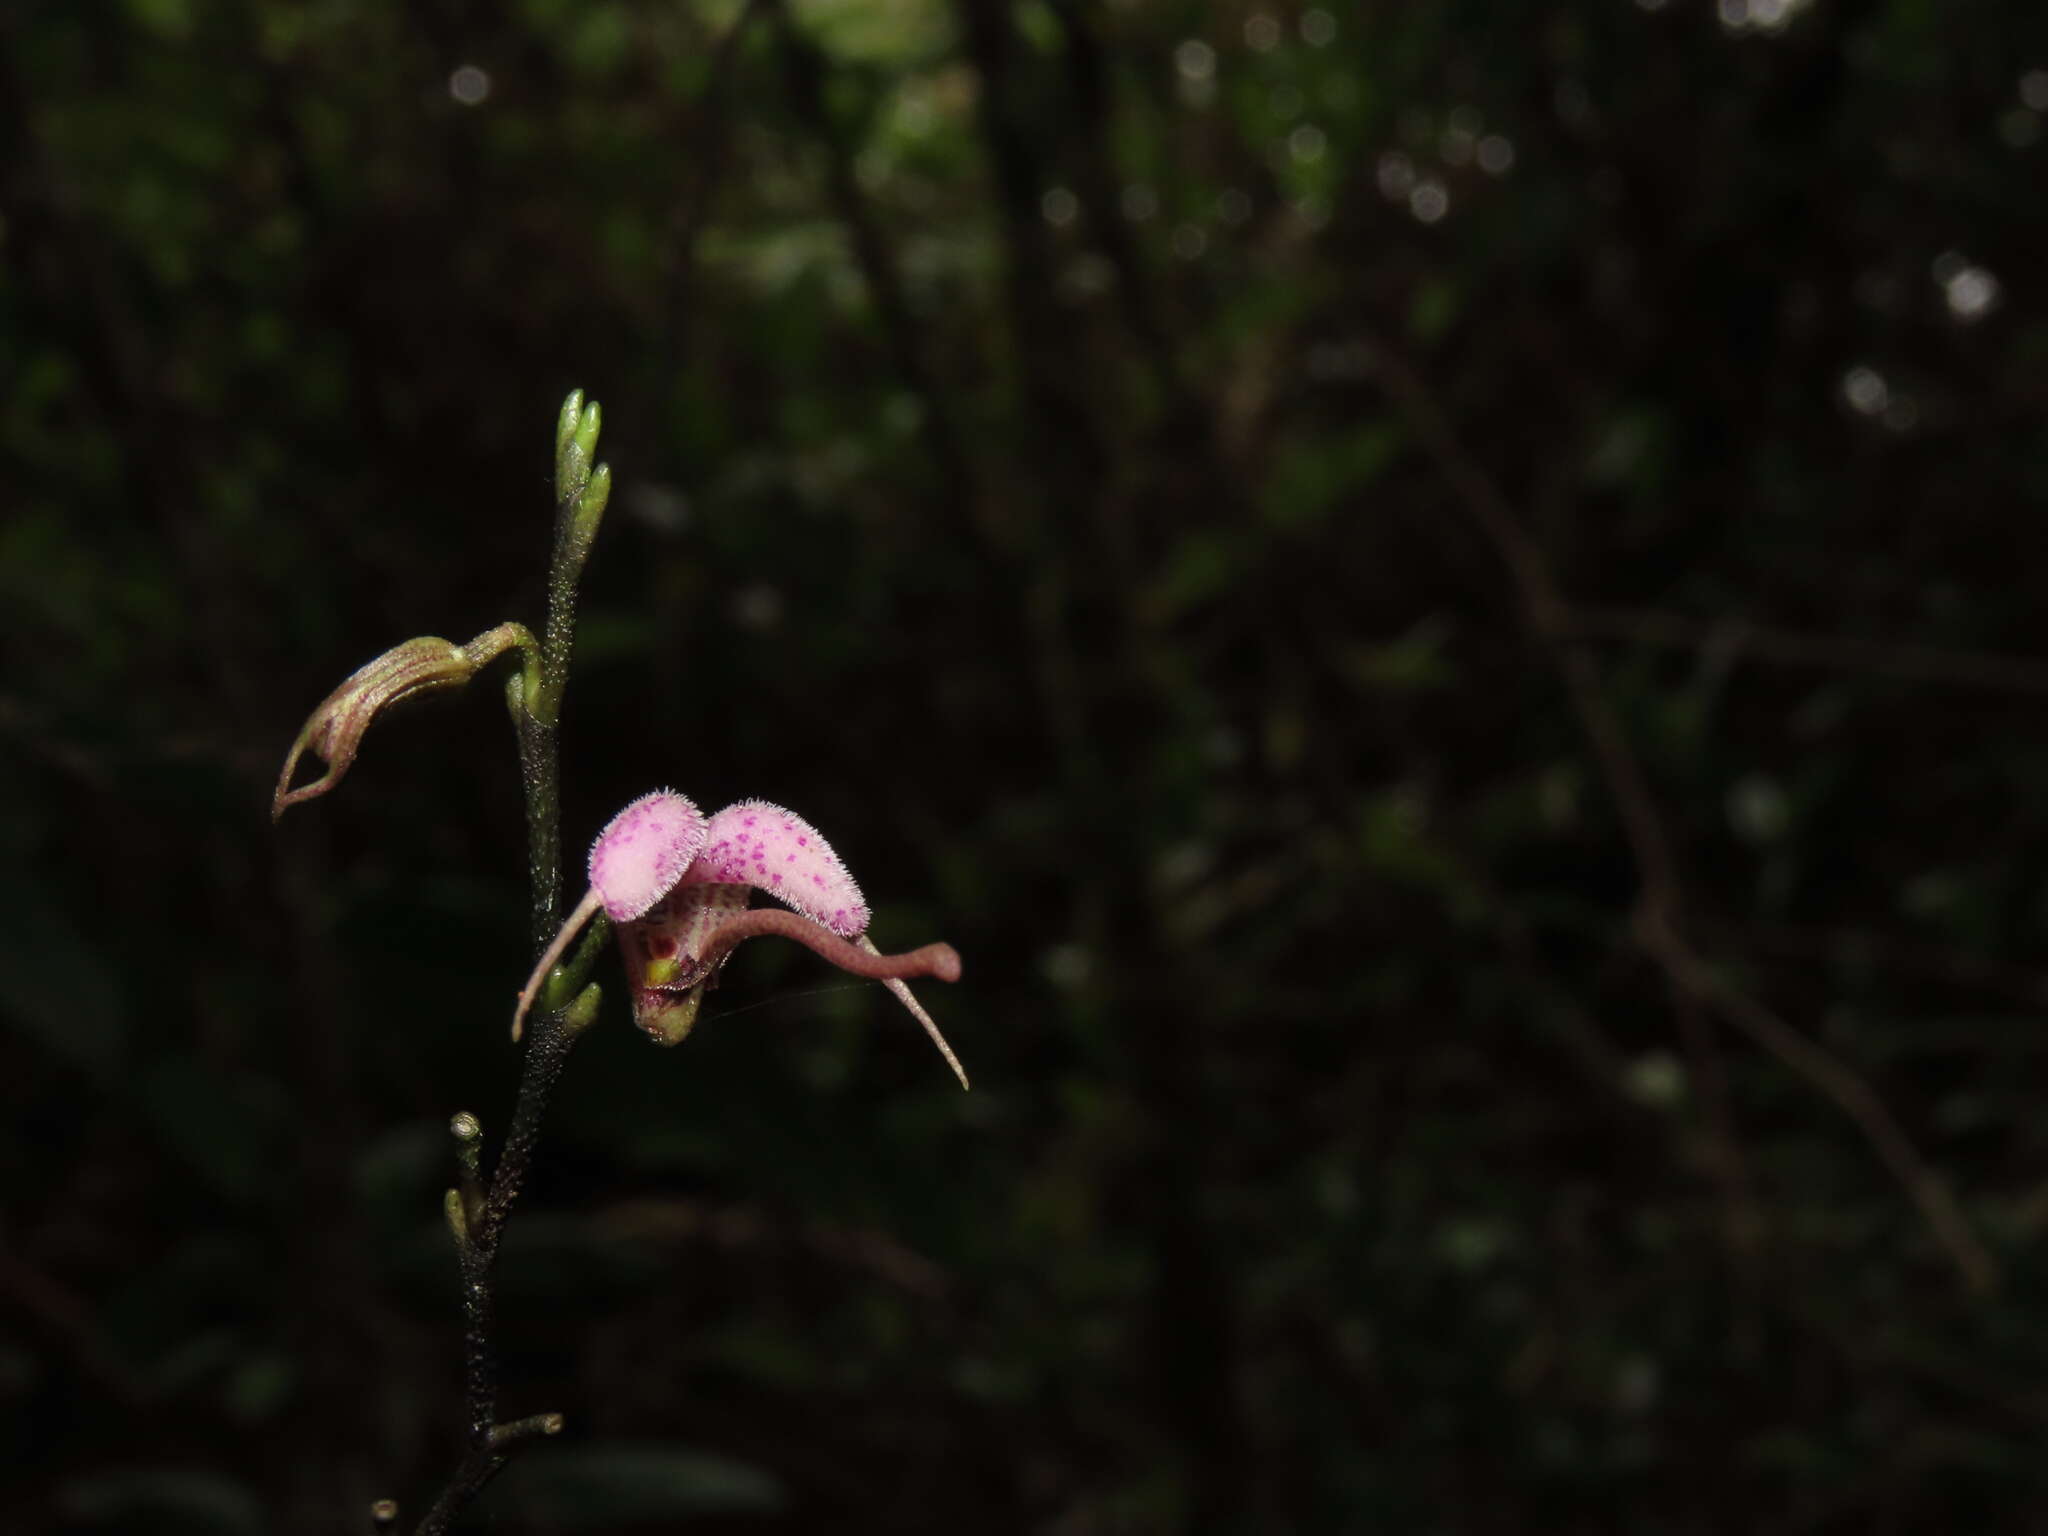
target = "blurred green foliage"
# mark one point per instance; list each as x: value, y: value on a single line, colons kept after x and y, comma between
x: 1010, y: 480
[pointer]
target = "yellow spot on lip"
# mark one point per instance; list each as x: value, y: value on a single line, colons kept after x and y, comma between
x: 661, y: 972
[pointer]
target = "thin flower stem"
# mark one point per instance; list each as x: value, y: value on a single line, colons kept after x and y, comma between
x: 535, y: 698
x: 487, y: 1443
x: 469, y: 1480
x: 545, y: 1057
x: 540, y: 773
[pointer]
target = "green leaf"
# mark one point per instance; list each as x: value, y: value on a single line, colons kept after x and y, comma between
x: 1409, y: 663
x: 1314, y: 477
x: 166, y: 18
x: 1202, y: 564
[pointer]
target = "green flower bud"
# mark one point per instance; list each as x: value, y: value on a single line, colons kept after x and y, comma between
x: 575, y: 446
x: 582, y: 1013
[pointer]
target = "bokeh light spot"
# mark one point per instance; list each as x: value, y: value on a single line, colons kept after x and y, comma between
x: 1971, y: 293
x: 1395, y: 174
x: 1865, y: 390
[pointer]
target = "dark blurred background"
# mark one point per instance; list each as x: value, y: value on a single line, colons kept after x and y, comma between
x: 1441, y: 599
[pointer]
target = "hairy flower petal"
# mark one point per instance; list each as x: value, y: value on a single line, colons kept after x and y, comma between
x: 640, y: 856
x: 777, y: 851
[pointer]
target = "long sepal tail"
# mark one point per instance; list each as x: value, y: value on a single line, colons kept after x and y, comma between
x: 902, y: 990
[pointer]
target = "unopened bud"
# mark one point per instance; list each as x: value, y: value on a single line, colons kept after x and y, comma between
x: 582, y: 1013
x: 457, y: 1212
x: 576, y: 433
x: 591, y: 504
x: 565, y: 424
x: 334, y: 731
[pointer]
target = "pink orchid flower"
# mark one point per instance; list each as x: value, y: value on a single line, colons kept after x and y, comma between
x: 677, y: 886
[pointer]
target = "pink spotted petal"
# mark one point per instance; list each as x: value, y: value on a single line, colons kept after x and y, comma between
x: 773, y: 850
x: 638, y: 859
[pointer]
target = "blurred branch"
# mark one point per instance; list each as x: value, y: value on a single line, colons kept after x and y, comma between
x: 1851, y: 1093
x: 1088, y: 78
x: 1063, y: 438
x: 1084, y: 551
x: 33, y: 734
x: 66, y: 1315
x: 1872, y: 1351
x: 69, y: 263
x: 803, y: 69
x: 707, y: 138
x: 1901, y: 956
x: 1734, y: 637
x: 1041, y: 334
x: 1658, y: 921
x: 53, y: 245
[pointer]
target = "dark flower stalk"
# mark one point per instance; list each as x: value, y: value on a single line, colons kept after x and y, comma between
x: 673, y: 884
